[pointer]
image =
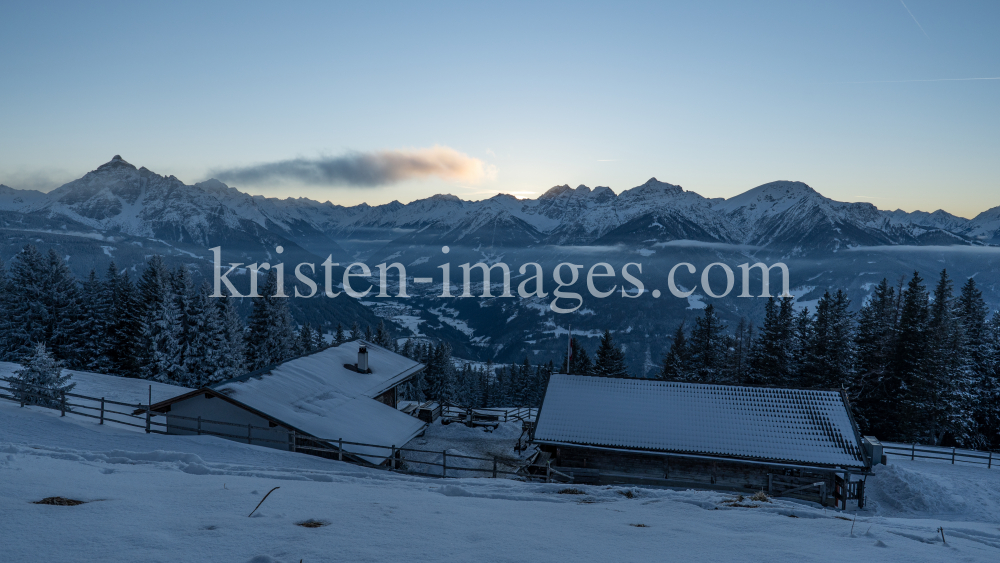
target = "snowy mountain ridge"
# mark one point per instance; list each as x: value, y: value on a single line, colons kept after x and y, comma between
x: 119, y: 197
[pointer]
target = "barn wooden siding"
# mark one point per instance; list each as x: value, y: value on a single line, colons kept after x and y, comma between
x: 609, y: 467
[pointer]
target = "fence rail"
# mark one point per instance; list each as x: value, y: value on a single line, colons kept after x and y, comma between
x: 142, y: 417
x: 953, y: 455
x: 524, y: 414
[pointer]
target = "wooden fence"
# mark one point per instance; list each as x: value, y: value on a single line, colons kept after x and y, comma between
x: 952, y: 455
x: 524, y: 414
x: 139, y: 415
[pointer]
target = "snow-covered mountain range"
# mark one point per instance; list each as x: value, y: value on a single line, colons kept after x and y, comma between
x: 119, y: 198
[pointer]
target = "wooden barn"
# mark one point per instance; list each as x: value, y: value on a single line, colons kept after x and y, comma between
x: 343, y: 393
x: 786, y: 442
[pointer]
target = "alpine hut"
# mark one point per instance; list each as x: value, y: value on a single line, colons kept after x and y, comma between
x: 327, y: 403
x: 787, y: 442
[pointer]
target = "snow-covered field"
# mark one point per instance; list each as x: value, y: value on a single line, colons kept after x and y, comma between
x: 156, y: 498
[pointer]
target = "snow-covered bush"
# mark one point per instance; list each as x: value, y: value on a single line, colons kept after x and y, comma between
x: 40, y: 381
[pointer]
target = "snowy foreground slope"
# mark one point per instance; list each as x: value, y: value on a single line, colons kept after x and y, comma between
x: 171, y: 498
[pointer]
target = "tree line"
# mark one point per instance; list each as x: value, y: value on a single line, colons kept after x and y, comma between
x: 160, y: 327
x: 917, y: 365
x: 477, y: 386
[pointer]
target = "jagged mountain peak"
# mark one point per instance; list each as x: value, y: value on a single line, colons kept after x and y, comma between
x: 555, y: 191
x: 116, y: 162
x: 442, y: 197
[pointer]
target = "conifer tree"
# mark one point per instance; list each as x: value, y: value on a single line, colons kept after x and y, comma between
x: 772, y: 361
x: 270, y: 338
x: 875, y: 387
x: 27, y: 317
x: 339, y: 337
x: 676, y: 363
x: 609, y: 360
x: 94, y: 317
x: 978, y: 346
x: 183, y: 293
x: 909, y: 358
x: 41, y: 380
x: 62, y: 302
x: 706, y: 347
x: 305, y: 341
x: 382, y: 337
x: 232, y: 353
x: 206, y: 343
x: 355, y: 331
x: 125, y: 323
x: 160, y: 353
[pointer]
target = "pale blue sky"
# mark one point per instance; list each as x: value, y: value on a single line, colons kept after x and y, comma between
x: 715, y: 96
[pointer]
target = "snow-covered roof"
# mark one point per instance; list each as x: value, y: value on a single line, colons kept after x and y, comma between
x: 788, y: 425
x: 326, y: 370
x: 317, y: 395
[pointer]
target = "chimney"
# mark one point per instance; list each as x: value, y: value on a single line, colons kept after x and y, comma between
x: 363, y: 359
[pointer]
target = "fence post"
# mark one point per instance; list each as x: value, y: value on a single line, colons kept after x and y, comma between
x: 199, y: 425
x: 102, y: 410
x: 62, y: 403
x: 548, y: 471
x: 444, y: 463
x: 953, y: 456
x: 989, y: 464
x: 392, y: 458
x: 494, y: 467
x: 147, y: 419
x: 913, y: 452
x: 149, y: 406
x: 249, y: 434
x: 291, y: 436
x: 340, y: 449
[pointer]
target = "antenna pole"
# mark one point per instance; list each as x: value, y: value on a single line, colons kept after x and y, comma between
x: 569, y: 346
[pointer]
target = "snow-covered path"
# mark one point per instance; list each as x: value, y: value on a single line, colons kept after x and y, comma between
x: 170, y: 498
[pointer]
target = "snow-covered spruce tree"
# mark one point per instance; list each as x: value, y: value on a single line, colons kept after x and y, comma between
x: 609, y: 360
x: 706, y: 347
x: 942, y: 393
x: 827, y: 348
x: 988, y: 401
x: 355, y: 331
x: 27, y: 317
x: 183, y: 293
x: 319, y: 342
x: 40, y: 381
x: 6, y: 304
x: 125, y: 334
x: 159, y: 350
x: 977, y: 350
x: 94, y: 317
x: 771, y: 357
x: 304, y: 341
x: 62, y: 300
x: 232, y: 355
x: 676, y: 362
x: 875, y: 389
x: 740, y: 345
x: 382, y: 336
x: 339, y: 337
x: 523, y: 383
x: 270, y: 337
x: 369, y: 336
x: 205, y: 342
x: 909, y: 359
